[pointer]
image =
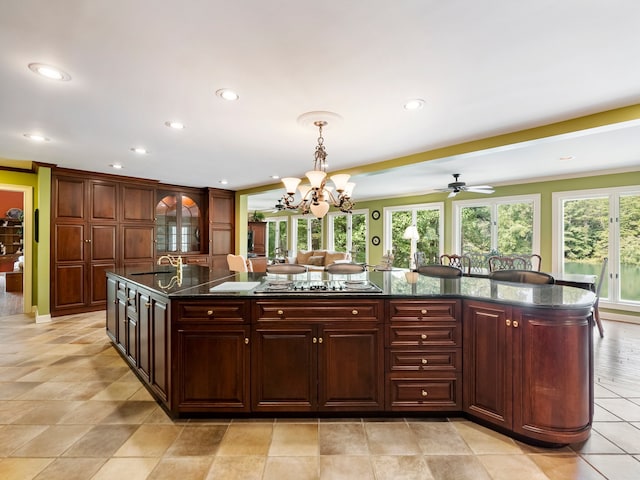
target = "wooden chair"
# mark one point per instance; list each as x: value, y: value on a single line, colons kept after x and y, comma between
x: 595, y: 311
x: 345, y: 268
x: 515, y: 262
x: 286, y: 268
x: 442, y: 271
x: 237, y: 263
x: 522, y: 276
x: 459, y: 261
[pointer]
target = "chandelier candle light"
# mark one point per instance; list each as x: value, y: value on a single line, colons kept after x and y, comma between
x: 318, y: 197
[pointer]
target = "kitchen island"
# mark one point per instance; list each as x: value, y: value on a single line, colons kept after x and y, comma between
x: 514, y: 357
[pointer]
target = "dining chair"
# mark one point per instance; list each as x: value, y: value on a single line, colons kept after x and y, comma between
x: 522, y: 276
x: 237, y: 263
x: 437, y: 270
x: 595, y: 311
x: 286, y: 268
x: 345, y: 268
x: 515, y: 262
x: 459, y: 261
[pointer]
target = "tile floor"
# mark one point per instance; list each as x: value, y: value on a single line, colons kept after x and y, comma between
x: 71, y: 409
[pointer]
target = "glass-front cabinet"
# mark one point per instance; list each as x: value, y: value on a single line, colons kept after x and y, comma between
x: 178, y: 224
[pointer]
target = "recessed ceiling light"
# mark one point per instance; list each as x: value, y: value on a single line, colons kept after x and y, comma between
x: 36, y: 138
x: 49, y: 71
x: 223, y: 181
x: 139, y: 150
x: 176, y: 125
x: 117, y: 166
x: 414, y: 104
x: 227, y: 94
x: 565, y: 158
x: 275, y: 177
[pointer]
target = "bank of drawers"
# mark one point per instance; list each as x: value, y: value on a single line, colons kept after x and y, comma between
x: 423, y: 355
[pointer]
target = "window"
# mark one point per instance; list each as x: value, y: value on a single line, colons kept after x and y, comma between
x: 428, y: 218
x: 276, y: 236
x: 506, y: 225
x: 348, y: 233
x: 593, y: 224
x: 177, y: 224
x: 307, y: 234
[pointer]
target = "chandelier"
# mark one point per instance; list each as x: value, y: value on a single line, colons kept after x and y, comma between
x: 317, y: 197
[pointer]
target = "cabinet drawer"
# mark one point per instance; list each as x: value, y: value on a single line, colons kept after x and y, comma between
x: 421, y: 311
x: 422, y: 361
x: 228, y: 311
x: 324, y: 311
x: 196, y: 260
x: 420, y: 335
x: 424, y: 393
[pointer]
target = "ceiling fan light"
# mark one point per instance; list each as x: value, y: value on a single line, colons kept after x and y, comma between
x: 290, y: 184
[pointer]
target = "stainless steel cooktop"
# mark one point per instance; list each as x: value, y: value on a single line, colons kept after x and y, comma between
x: 317, y: 286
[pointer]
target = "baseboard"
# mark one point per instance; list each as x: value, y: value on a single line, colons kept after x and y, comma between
x: 619, y: 317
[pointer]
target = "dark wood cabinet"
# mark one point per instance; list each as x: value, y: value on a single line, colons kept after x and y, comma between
x: 93, y: 231
x: 257, y: 238
x: 221, y: 227
x: 518, y: 375
x: 212, y: 356
x: 318, y: 357
x: 424, y: 355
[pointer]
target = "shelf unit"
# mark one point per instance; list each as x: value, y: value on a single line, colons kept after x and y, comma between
x: 11, y: 231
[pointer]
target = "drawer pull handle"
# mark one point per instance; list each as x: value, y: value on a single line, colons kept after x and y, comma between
x: 424, y: 393
x: 354, y: 312
x: 148, y: 304
x: 320, y: 340
x: 209, y: 312
x: 508, y: 322
x: 315, y: 340
x: 515, y: 324
x: 280, y: 312
x: 246, y: 341
x: 423, y: 336
x: 425, y: 361
x: 423, y: 311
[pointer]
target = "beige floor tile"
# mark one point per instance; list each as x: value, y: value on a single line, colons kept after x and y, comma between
x: 246, y: 439
x: 237, y: 468
x: 71, y: 469
x: 621, y: 407
x: 158, y: 415
x: 508, y: 467
x: 346, y: 467
x: 457, y: 467
x: 294, y: 439
x: 439, y: 438
x: 101, y: 441
x: 393, y: 438
x: 192, y: 468
x: 12, y: 374
x: 623, y: 435
x: 22, y: 468
x: 149, y: 441
x: 13, y: 437
x: 89, y: 412
x: 565, y: 467
x: 52, y: 442
x: 126, y: 468
x: 615, y: 467
x: 342, y: 439
x: 142, y: 394
x: 291, y: 468
x: 117, y: 391
x: 595, y: 444
x: 602, y: 415
x: 12, y: 410
x: 11, y: 390
x: 47, y: 412
x: 401, y: 468
x: 481, y: 440
x: 130, y: 412
x: 197, y: 440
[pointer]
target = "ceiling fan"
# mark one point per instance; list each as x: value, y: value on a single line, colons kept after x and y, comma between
x: 456, y: 187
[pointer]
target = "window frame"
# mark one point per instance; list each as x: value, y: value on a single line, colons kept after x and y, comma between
x: 331, y: 216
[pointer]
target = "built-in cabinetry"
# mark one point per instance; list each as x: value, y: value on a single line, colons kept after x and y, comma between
x: 309, y: 356
x: 98, y: 224
x: 518, y: 374
x: 221, y: 227
x: 257, y: 232
x: 11, y: 231
x: 424, y: 355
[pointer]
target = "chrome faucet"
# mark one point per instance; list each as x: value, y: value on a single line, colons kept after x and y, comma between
x: 173, y: 261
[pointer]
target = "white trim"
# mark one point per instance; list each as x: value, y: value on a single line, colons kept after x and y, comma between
x: 619, y: 317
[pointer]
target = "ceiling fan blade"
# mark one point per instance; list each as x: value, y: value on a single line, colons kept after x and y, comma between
x: 452, y: 194
x: 481, y: 189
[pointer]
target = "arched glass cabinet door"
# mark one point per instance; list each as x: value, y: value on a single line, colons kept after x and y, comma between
x: 177, y: 225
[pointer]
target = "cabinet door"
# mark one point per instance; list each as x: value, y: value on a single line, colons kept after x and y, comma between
x: 488, y: 363
x: 104, y: 200
x: 214, y: 368
x: 552, y: 375
x: 160, y: 347
x: 144, y: 335
x: 68, y: 199
x: 284, y: 368
x: 350, y: 367
x: 112, y: 309
x: 138, y: 203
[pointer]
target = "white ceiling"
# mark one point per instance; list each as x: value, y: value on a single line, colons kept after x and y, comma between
x: 483, y: 68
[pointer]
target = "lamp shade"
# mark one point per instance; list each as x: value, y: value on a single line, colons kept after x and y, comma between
x: 340, y: 181
x: 316, y: 177
x: 411, y: 233
x: 348, y: 191
x: 304, y: 190
x: 320, y: 209
x: 290, y: 184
